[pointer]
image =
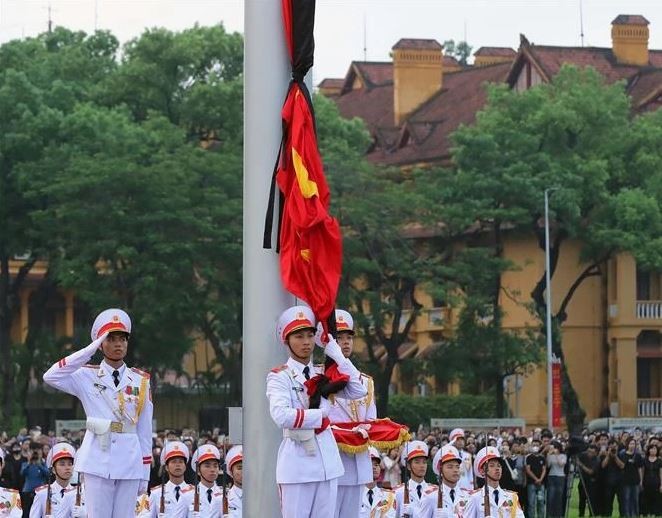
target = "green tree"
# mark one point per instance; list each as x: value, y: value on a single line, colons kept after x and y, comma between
x: 460, y: 50
x: 575, y: 134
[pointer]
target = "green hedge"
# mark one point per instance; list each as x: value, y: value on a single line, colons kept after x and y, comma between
x: 415, y: 410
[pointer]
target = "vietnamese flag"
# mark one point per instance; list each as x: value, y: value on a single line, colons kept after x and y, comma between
x: 310, y: 239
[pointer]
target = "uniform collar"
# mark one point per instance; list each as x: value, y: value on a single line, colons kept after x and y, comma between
x: 109, y: 370
x: 298, y: 369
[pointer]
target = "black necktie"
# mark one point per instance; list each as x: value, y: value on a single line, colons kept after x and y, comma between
x: 370, y: 497
x: 306, y: 372
x: 453, y: 495
x: 419, y: 489
x: 62, y: 492
x: 209, y: 495
x: 496, y: 496
x: 116, y: 377
x: 177, y: 493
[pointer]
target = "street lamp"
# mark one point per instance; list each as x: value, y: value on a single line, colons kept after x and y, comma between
x: 548, y: 296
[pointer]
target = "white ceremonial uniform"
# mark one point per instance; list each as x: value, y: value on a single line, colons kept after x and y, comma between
x: 415, y: 501
x: 383, y: 503
x: 358, y: 468
x: 211, y: 502
x: 235, y: 494
x: 467, y: 475
x: 451, y: 507
x: 116, y: 452
x: 169, y: 498
x: 10, y: 503
x: 308, y: 463
x: 38, y: 509
x: 69, y: 504
x: 505, y: 506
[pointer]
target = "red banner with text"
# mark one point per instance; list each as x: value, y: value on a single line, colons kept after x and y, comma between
x: 556, y: 393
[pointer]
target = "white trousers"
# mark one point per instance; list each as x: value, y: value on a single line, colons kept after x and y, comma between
x: 308, y: 500
x: 348, y: 501
x: 108, y: 498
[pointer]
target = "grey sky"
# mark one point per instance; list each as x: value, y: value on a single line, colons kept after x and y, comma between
x: 340, y: 23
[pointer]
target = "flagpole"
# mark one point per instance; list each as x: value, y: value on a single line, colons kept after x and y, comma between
x: 266, y: 77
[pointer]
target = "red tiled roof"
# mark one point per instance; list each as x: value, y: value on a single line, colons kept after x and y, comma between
x: 332, y: 83
x: 630, y: 19
x: 450, y: 61
x: 645, y: 88
x: 496, y: 51
x: 430, y: 126
x: 373, y: 105
x: 418, y: 44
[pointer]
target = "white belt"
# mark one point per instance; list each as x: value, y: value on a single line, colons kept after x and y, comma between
x: 304, y: 437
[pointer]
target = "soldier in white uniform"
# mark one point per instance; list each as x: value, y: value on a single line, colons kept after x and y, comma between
x: 376, y: 502
x: 446, y: 465
x: 60, y: 460
x: 415, y: 457
x: 206, y: 461
x: 116, y: 452
x: 358, y: 470
x: 308, y: 464
x: 502, y: 503
x: 234, y: 464
x: 174, y: 457
x: 10, y: 499
x: 467, y: 475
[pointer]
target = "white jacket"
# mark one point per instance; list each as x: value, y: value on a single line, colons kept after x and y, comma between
x: 288, y: 405
x: 508, y: 506
x: 105, y: 453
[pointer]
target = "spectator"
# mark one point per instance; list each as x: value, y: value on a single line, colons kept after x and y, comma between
x: 632, y: 478
x: 35, y: 474
x: 392, y: 470
x: 12, y: 470
x: 535, y: 489
x: 556, y: 461
x: 651, y: 499
x: 589, y: 464
x: 612, y: 469
x: 601, y: 496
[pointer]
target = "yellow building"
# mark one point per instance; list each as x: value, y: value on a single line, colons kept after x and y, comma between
x: 611, y: 338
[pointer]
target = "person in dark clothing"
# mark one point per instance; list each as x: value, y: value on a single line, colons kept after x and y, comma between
x: 589, y: 464
x: 632, y: 478
x: 11, y: 474
x: 651, y: 496
x: 612, y: 471
x: 536, y: 469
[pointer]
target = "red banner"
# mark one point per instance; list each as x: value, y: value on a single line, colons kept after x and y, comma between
x: 556, y: 393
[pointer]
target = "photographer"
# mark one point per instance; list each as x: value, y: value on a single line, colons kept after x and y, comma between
x: 612, y: 469
x: 35, y: 474
x: 589, y: 464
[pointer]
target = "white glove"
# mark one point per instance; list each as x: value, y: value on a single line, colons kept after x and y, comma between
x: 333, y: 350
x: 142, y: 487
x: 195, y: 514
x: 162, y: 515
x: 406, y: 509
x: 77, y: 511
x: 439, y: 513
x: 100, y: 340
x: 325, y: 407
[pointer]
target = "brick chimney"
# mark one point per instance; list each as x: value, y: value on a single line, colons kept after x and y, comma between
x: 629, y: 39
x: 417, y: 74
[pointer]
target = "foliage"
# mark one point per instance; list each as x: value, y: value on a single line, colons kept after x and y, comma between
x: 414, y: 410
x: 460, y: 50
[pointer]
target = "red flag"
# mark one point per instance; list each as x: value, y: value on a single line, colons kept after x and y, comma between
x: 310, y: 239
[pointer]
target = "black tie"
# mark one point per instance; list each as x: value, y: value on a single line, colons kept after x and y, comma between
x: 306, y: 372
x: 453, y: 495
x: 177, y: 493
x: 496, y: 496
x: 419, y: 490
x: 209, y: 495
x: 370, y: 497
x: 116, y: 377
x: 62, y: 492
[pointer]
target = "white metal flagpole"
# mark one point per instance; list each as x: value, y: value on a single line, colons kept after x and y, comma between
x: 266, y: 77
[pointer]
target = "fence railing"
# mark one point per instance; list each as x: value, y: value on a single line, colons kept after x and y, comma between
x: 649, y: 309
x: 649, y: 407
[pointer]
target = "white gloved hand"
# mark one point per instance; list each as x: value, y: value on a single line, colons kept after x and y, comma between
x: 100, y: 340
x: 439, y: 513
x: 333, y: 350
x: 406, y: 509
x: 195, y: 514
x: 77, y: 511
x: 162, y: 515
x: 142, y: 487
x: 325, y: 407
